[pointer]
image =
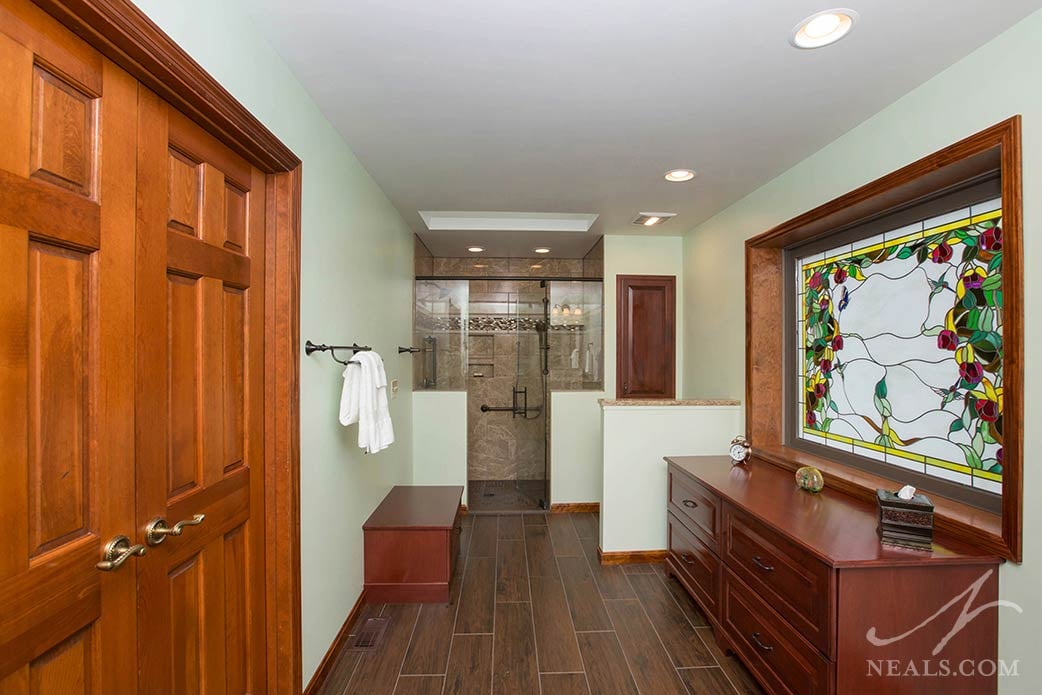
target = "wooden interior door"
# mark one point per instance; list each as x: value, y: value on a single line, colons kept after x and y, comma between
x: 646, y: 340
x: 67, y: 128
x: 200, y: 425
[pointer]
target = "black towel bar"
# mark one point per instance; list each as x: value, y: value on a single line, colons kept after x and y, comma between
x: 310, y: 347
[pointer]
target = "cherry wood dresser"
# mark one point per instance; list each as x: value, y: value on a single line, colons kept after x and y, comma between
x: 411, y: 543
x: 798, y: 585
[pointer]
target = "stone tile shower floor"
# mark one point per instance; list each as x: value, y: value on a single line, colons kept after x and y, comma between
x: 505, y: 495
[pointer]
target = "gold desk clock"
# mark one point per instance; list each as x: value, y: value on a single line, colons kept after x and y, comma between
x: 739, y: 450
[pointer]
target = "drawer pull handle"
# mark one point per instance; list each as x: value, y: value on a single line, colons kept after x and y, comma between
x: 762, y: 565
x: 765, y: 647
x: 687, y: 558
x: 690, y: 504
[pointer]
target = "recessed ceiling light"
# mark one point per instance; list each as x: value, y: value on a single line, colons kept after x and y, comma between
x: 541, y: 249
x: 680, y: 175
x: 475, y: 249
x: 652, y: 221
x: 823, y: 28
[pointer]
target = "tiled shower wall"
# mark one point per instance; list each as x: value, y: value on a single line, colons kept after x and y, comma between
x: 441, y: 307
x: 507, y: 267
x: 576, y: 336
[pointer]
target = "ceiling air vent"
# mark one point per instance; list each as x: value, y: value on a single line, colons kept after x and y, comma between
x: 653, y: 219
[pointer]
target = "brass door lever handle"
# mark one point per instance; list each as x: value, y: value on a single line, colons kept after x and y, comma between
x: 157, y: 530
x: 118, y: 551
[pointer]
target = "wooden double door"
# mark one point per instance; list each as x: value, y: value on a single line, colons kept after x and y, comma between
x: 131, y: 383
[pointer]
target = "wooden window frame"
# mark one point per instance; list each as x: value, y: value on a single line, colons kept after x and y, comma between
x: 125, y: 35
x: 766, y: 332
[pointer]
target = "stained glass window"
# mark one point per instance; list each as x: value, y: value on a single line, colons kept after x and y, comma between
x: 899, y: 347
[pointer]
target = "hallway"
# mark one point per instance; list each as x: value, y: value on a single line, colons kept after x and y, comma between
x: 534, y: 612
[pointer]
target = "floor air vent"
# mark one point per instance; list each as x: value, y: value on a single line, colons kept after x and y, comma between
x: 368, y: 636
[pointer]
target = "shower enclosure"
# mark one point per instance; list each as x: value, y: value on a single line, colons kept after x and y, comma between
x: 507, y: 395
x: 507, y: 343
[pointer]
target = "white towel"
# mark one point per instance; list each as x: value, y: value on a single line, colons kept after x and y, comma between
x: 588, y: 361
x: 364, y: 400
x: 575, y: 358
x: 351, y: 394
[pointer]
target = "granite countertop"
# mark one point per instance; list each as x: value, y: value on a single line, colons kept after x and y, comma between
x: 608, y: 402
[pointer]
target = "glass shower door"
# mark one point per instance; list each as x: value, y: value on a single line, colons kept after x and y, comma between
x: 532, y: 369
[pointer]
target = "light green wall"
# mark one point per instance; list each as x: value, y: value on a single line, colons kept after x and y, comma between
x: 641, y: 255
x: 575, y: 446
x: 439, y: 443
x: 576, y: 461
x: 1002, y: 78
x: 356, y: 285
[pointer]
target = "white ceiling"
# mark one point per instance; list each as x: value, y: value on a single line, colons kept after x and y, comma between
x: 580, y: 106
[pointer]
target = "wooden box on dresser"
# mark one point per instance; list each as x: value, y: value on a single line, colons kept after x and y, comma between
x: 411, y: 544
x: 798, y: 585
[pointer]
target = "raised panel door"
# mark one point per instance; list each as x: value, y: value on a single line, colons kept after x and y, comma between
x: 646, y: 339
x: 67, y: 127
x: 200, y: 299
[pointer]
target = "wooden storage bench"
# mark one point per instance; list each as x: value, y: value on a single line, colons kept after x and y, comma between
x: 411, y: 544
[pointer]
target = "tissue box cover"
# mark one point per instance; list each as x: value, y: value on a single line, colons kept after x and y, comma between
x: 905, y: 523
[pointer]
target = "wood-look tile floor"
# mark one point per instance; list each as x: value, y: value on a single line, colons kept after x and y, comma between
x: 534, y: 613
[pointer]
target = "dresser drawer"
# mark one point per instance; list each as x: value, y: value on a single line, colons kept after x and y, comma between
x: 795, y: 582
x: 776, y: 653
x: 696, y: 506
x: 698, y: 565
